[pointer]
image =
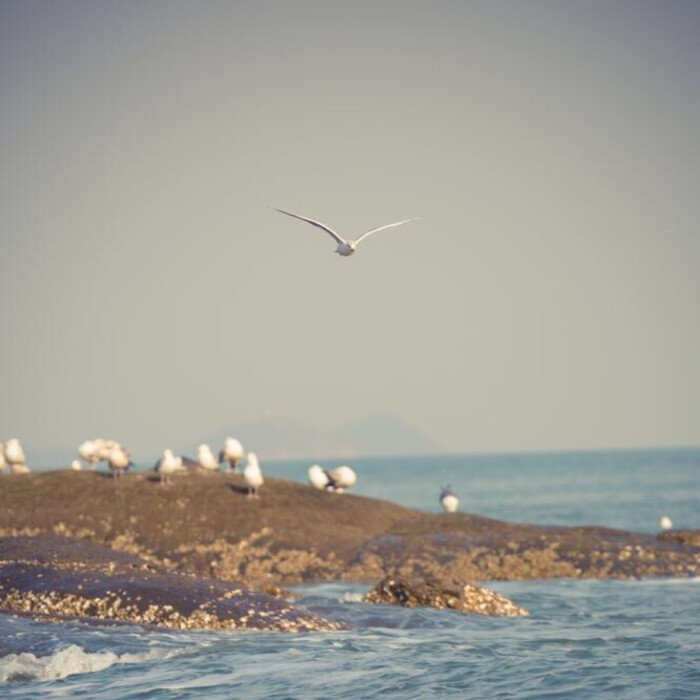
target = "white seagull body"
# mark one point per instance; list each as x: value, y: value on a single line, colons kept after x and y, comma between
x: 449, y: 500
x: 341, y: 478
x: 206, y: 458
x: 3, y: 462
x: 98, y: 450
x: 14, y: 454
x: 105, y: 447
x: 15, y: 458
x: 167, y: 465
x: 253, y: 475
x: 118, y: 460
x: 233, y: 453
x: 90, y: 452
x: 76, y: 465
x: 345, y: 247
x: 319, y: 477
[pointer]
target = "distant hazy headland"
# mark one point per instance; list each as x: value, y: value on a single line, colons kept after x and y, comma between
x: 288, y: 438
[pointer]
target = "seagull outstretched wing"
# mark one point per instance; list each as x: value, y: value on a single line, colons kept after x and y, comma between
x: 381, y: 228
x: 318, y: 224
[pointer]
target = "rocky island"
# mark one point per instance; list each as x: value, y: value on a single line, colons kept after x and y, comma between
x: 203, y: 539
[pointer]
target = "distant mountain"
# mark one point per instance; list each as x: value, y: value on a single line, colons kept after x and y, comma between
x: 286, y: 438
x: 283, y: 438
x: 385, y: 435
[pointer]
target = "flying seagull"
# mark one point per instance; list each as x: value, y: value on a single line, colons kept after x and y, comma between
x: 344, y: 247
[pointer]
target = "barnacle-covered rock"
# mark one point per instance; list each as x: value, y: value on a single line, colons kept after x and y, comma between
x: 56, y: 577
x: 441, y: 594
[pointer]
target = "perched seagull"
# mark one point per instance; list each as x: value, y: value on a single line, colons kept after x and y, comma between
x: 666, y: 523
x: 90, y: 451
x: 341, y: 478
x: 206, y: 458
x: 449, y: 500
x: 76, y: 465
x: 319, y: 478
x: 3, y: 461
x: 118, y: 460
x: 15, y: 458
x: 348, y: 247
x: 252, y: 475
x: 104, y: 447
x: 167, y: 465
x: 97, y: 450
x: 233, y: 453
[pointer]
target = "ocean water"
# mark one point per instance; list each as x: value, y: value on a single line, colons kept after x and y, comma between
x: 583, y: 639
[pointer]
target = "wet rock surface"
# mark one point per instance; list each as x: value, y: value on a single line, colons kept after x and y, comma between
x: 55, y: 578
x: 441, y: 594
x: 463, y: 547
x: 293, y: 534
x: 687, y: 538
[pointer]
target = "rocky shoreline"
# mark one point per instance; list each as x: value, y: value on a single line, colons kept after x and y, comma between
x: 203, y: 528
x: 56, y: 578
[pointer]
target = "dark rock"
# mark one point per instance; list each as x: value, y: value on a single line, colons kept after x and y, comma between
x: 441, y: 594
x: 59, y: 577
x: 686, y: 538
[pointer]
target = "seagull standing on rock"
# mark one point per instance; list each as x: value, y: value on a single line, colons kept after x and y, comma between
x: 233, y: 453
x: 341, y: 478
x: 167, y: 465
x: 90, y: 452
x: 449, y: 500
x: 15, y: 458
x: 666, y: 523
x: 118, y: 460
x: 253, y: 475
x: 206, y: 458
x: 345, y: 247
x: 319, y: 478
x: 98, y: 450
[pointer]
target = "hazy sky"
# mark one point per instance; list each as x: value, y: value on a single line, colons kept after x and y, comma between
x: 548, y: 298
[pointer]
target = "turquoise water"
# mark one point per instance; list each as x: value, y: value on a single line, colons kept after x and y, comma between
x: 625, y: 489
x: 583, y: 639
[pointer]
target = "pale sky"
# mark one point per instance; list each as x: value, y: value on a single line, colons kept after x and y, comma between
x: 547, y: 299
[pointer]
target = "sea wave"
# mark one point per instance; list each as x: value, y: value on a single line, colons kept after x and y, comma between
x: 68, y: 661
x: 352, y: 598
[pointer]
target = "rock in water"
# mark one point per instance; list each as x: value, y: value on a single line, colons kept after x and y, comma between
x: 441, y: 594
x: 57, y: 578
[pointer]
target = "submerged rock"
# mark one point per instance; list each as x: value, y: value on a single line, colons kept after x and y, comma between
x: 441, y: 594
x: 55, y: 577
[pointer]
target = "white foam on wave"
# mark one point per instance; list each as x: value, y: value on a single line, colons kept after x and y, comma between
x: 66, y: 662
x: 352, y: 598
